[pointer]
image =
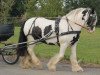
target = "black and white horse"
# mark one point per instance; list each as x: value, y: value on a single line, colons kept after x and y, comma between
x: 67, y: 31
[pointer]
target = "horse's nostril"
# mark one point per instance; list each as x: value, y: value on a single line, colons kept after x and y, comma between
x: 91, y: 29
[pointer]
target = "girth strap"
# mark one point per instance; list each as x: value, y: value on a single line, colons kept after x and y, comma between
x: 57, y: 21
x: 70, y: 32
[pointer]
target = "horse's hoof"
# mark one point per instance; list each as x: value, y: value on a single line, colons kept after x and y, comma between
x: 77, y: 69
x: 25, y: 67
x: 51, y: 68
x: 40, y: 67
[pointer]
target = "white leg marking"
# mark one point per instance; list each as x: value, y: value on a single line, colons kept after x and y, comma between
x: 35, y: 60
x: 54, y: 60
x: 73, y: 59
x: 26, y: 62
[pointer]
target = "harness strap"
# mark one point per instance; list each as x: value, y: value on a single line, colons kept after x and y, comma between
x: 69, y: 24
x: 31, y: 26
x: 46, y: 38
x: 57, y: 21
x: 78, y: 24
x: 70, y: 32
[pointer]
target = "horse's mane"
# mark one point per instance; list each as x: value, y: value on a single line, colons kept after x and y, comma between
x: 74, y: 13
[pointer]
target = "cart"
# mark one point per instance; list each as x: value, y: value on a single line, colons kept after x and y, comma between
x: 9, y: 53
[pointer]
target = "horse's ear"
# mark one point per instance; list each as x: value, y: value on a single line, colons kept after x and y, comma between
x: 93, y: 10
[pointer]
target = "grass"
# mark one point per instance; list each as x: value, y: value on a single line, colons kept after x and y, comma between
x: 88, y: 49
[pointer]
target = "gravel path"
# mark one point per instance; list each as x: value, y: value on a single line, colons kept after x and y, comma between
x: 62, y: 69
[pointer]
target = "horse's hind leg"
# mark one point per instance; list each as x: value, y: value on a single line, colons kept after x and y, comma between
x: 26, y: 61
x: 73, y: 59
x: 34, y: 59
x: 54, y: 60
x: 31, y: 52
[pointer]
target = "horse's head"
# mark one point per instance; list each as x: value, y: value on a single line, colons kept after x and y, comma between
x: 89, y: 17
x: 83, y: 16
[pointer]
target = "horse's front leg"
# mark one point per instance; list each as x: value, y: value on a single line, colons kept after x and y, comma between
x: 54, y: 60
x: 73, y: 59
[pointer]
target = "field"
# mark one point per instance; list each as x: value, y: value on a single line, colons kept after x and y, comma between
x: 88, y: 49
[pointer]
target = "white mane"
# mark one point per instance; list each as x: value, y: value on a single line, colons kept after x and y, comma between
x: 74, y: 13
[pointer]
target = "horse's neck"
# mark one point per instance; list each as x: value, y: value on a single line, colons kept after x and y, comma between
x: 74, y: 19
x: 72, y: 23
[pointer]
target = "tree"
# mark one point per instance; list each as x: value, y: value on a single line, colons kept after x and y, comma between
x: 19, y: 8
x: 50, y: 8
x: 5, y: 7
x: 31, y: 8
x: 45, y: 8
x: 72, y: 4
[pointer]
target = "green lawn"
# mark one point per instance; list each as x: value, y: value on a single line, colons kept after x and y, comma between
x: 88, y: 49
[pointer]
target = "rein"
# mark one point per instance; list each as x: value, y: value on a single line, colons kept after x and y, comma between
x: 78, y: 24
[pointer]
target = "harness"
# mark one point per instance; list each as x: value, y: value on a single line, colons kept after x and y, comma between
x: 57, y: 21
x: 31, y: 27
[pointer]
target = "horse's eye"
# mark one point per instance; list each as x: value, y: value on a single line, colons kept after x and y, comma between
x: 94, y: 16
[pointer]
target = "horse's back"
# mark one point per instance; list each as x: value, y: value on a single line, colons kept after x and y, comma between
x: 43, y: 22
x: 38, y: 22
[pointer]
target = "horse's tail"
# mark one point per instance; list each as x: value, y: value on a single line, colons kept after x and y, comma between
x: 22, y: 48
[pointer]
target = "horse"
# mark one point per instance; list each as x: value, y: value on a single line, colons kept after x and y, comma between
x: 66, y: 30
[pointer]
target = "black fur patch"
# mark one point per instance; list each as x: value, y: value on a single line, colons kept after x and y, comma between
x: 91, y: 19
x: 36, y: 32
x: 75, y: 39
x: 84, y: 13
x: 92, y: 11
x: 47, y: 29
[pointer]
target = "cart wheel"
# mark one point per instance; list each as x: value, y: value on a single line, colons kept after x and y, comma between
x: 9, y: 54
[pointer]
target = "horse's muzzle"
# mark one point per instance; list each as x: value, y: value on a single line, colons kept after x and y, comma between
x: 91, y: 29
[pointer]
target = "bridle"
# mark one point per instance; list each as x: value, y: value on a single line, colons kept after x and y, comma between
x: 83, y: 26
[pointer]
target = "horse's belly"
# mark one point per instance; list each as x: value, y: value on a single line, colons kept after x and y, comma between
x: 52, y: 41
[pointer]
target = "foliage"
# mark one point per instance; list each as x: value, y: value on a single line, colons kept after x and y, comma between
x: 50, y: 8
x: 19, y: 8
x: 31, y: 8
x: 5, y: 6
x: 72, y: 4
x: 45, y: 8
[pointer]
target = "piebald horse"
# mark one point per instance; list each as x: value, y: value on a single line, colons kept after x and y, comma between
x: 67, y: 31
